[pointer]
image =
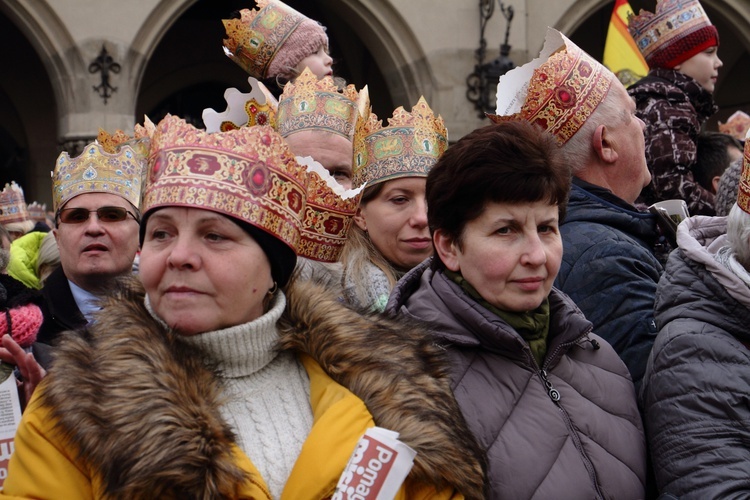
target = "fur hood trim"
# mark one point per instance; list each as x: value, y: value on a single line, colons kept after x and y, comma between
x: 400, y: 374
x: 125, y: 371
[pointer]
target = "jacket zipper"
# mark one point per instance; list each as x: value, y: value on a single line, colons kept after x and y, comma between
x: 555, y: 396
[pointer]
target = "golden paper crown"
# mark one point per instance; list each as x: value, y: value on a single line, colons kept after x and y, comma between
x: 37, y: 211
x: 311, y: 104
x: 743, y: 194
x: 254, y: 39
x: 248, y: 174
x: 96, y: 171
x: 257, y: 107
x: 12, y: 204
x: 140, y: 142
x: 408, y: 147
x: 328, y: 215
x: 677, y: 30
x: 558, y: 91
x: 737, y: 125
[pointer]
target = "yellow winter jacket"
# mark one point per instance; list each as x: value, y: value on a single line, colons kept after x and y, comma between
x: 44, y: 466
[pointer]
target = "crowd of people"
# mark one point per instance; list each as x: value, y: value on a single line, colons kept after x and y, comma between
x: 225, y: 312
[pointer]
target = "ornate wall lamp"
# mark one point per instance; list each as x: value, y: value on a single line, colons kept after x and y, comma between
x: 483, y: 81
x: 104, y: 63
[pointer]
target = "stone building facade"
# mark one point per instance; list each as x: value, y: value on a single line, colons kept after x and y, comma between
x: 58, y: 86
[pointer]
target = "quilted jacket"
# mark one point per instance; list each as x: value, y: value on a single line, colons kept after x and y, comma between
x: 695, y: 390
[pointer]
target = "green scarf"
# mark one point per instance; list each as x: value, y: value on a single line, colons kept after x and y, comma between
x: 532, y: 326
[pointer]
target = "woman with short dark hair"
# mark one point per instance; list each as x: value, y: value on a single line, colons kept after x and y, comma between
x: 550, y: 402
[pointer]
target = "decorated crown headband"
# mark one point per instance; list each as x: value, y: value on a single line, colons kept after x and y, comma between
x: 248, y: 174
x: 257, y: 107
x: 97, y: 171
x: 12, y: 204
x: 737, y: 125
x: 408, y: 147
x: 254, y: 40
x: 329, y: 214
x: 557, y: 91
x: 141, y: 137
x: 37, y: 211
x: 743, y: 194
x: 309, y: 103
x: 675, y: 31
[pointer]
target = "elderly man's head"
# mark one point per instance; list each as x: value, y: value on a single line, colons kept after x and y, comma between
x: 609, y: 149
x: 96, y: 242
x: 97, y: 219
x: 333, y: 151
x: 587, y: 110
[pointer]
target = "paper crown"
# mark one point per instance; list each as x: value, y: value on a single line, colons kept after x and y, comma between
x: 311, y: 104
x: 675, y: 32
x: 12, y: 204
x: 743, y: 194
x: 37, y: 211
x: 408, y: 147
x: 257, y: 107
x: 256, y: 39
x: 557, y: 91
x: 737, y: 125
x: 248, y: 174
x: 328, y: 214
x: 96, y: 171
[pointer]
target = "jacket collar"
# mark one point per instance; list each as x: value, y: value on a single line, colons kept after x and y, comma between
x: 128, y: 369
x: 456, y: 318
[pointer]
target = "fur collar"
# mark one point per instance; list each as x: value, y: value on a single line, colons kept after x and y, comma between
x: 127, y: 369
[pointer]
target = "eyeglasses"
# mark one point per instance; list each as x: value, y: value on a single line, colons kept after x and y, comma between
x: 104, y: 214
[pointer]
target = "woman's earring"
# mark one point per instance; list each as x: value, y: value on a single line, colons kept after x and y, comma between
x: 273, y: 289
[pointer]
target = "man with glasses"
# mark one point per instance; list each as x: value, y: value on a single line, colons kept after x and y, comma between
x: 96, y: 197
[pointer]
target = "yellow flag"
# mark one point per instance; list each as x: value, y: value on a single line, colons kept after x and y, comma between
x: 621, y: 55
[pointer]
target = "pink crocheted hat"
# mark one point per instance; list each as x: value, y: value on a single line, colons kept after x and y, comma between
x: 269, y: 41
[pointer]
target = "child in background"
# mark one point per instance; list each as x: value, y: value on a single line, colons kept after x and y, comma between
x: 675, y: 99
x: 276, y: 43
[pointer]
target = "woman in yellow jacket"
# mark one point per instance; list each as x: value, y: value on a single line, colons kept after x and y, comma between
x: 219, y: 379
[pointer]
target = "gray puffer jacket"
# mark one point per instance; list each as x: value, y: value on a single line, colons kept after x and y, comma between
x: 567, y: 429
x: 696, y: 390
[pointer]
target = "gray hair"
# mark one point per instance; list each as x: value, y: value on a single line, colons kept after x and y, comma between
x: 738, y: 234
x: 578, y: 150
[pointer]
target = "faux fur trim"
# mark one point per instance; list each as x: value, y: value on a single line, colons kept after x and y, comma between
x: 109, y: 382
x: 399, y: 373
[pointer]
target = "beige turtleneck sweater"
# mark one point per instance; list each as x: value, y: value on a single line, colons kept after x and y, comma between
x: 268, y: 393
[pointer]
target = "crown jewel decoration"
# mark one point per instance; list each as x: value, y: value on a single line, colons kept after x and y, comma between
x: 97, y: 171
x: 12, y: 204
x: 557, y: 91
x: 328, y: 214
x: 255, y: 38
x: 408, y: 147
x: 677, y: 30
x: 743, y: 195
x: 257, y: 107
x: 248, y: 174
x: 308, y: 103
x: 737, y: 125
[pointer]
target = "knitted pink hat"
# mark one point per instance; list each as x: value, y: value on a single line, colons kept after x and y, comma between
x: 22, y: 323
x: 267, y: 42
x: 305, y: 41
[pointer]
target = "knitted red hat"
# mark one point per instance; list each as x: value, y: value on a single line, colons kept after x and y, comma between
x: 675, y: 32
